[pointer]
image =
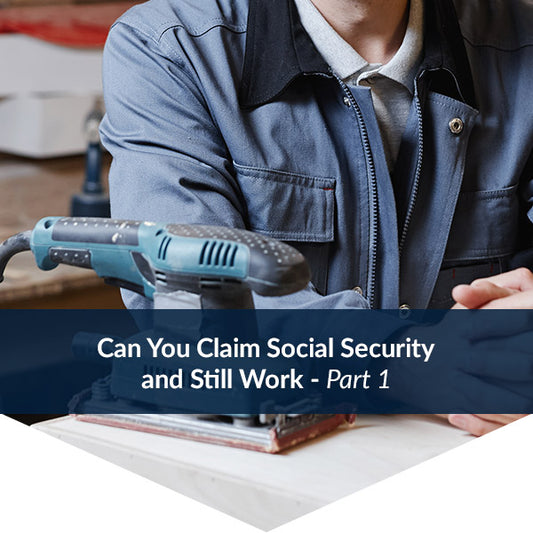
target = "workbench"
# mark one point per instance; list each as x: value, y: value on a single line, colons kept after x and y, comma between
x: 269, y: 490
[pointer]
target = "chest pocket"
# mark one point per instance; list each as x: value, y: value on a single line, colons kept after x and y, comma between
x: 294, y: 208
x: 483, y: 234
x: 485, y: 225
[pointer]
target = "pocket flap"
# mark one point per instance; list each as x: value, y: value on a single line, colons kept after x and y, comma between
x: 287, y: 206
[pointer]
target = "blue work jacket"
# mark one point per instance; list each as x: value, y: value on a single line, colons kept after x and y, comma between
x: 223, y: 112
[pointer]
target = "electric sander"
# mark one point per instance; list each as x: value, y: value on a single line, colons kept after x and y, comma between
x: 220, y: 266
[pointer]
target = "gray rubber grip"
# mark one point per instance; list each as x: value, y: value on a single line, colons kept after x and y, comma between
x: 275, y: 268
x: 96, y: 230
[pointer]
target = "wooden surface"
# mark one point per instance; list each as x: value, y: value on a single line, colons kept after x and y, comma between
x: 30, y: 190
x: 269, y: 490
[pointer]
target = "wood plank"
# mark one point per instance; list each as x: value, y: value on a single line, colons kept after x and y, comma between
x: 269, y: 490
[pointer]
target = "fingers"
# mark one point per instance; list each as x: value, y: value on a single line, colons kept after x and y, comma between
x: 475, y: 325
x: 502, y: 359
x: 497, y: 292
x: 517, y: 300
x: 473, y: 424
x: 459, y: 306
x: 502, y: 419
x: 479, y: 293
x: 479, y: 425
x: 520, y: 279
x: 474, y: 394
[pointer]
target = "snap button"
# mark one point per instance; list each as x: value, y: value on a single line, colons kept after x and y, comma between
x: 456, y: 126
x: 358, y: 290
x: 347, y: 101
x: 405, y: 311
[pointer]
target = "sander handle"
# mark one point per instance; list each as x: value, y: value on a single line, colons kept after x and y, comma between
x: 12, y: 246
x: 221, y: 264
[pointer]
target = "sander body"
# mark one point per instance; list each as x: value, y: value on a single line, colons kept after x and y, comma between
x: 166, y: 263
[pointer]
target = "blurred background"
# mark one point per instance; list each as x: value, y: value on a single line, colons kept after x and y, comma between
x: 51, y: 160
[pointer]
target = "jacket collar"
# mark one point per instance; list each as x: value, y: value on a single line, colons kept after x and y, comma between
x: 444, y: 50
x: 279, y: 50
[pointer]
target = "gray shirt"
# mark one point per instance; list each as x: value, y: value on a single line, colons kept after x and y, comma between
x: 392, y: 84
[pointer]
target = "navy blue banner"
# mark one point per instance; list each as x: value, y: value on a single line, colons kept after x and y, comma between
x: 266, y: 362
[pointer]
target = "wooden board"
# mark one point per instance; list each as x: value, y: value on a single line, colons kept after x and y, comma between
x: 269, y: 490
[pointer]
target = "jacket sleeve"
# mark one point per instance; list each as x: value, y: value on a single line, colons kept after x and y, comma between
x: 170, y: 162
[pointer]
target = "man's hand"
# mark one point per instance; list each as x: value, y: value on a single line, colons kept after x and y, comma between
x: 511, y: 290
x: 479, y: 425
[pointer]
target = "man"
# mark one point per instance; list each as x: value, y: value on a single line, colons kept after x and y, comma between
x: 390, y: 141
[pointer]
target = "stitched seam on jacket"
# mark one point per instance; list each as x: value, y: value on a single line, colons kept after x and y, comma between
x: 496, y: 47
x: 270, y: 171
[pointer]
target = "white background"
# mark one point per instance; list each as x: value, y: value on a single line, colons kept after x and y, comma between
x: 47, y: 485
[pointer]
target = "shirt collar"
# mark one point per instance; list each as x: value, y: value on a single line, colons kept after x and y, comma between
x: 402, y: 67
x: 344, y: 61
x: 279, y: 50
x: 347, y: 64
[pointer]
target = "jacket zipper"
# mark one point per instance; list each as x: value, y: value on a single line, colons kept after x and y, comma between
x: 418, y: 171
x: 374, y: 218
